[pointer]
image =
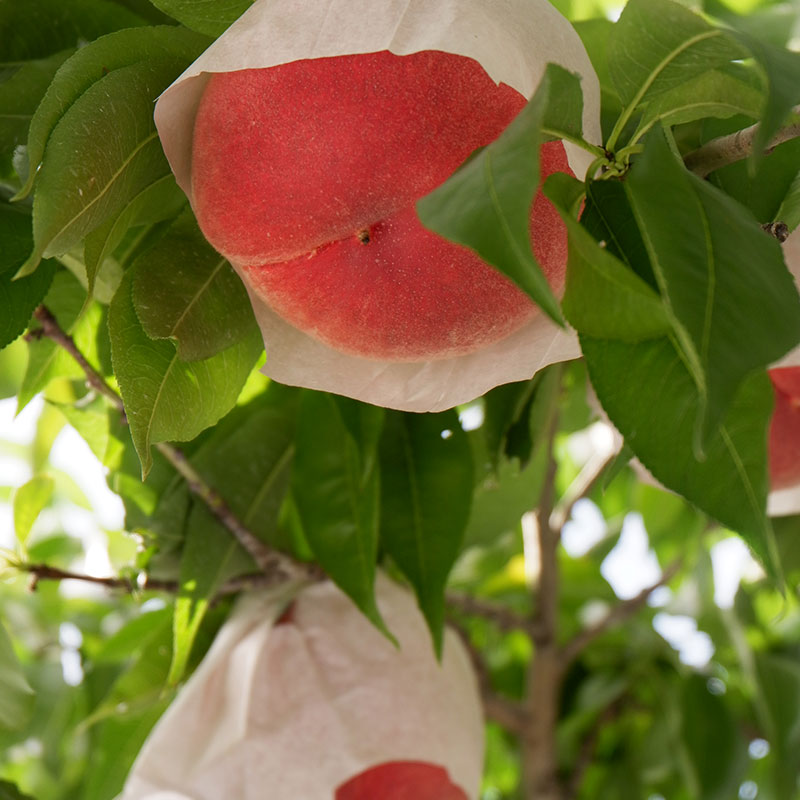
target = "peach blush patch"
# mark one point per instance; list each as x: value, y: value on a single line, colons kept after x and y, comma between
x: 401, y: 780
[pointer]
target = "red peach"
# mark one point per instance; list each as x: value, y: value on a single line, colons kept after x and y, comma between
x: 784, y: 431
x: 401, y: 780
x: 305, y: 174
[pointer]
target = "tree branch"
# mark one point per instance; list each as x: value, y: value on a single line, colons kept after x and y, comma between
x: 619, y: 613
x: 269, y: 561
x: 540, y: 779
x: 581, y: 487
x: 735, y: 147
x: 504, y: 618
x: 143, y: 582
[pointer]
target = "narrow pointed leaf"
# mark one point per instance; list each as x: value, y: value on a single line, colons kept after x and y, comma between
x: 167, y: 399
x: 732, y: 303
x: 338, y: 494
x: 426, y: 495
x: 486, y: 205
x: 604, y: 297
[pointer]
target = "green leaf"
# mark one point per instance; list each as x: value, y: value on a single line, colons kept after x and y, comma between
x: 712, y: 94
x: 96, y: 61
x: 19, y: 97
x: 207, y: 16
x: 103, y: 152
x: 184, y: 290
x: 157, y: 202
x: 727, y: 317
x: 658, y: 45
x: 486, y: 205
x: 16, y: 695
x: 426, y: 494
x: 707, y: 718
x: 18, y: 299
x: 29, y: 501
x: 604, y: 298
x: 8, y: 791
x: 39, y: 28
x: 649, y: 395
x: 335, y: 483
x: 789, y: 211
x: 167, y: 399
x: 779, y: 683
x: 248, y: 461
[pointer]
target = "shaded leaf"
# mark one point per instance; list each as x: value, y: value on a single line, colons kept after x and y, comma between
x: 207, y: 16
x: 19, y: 298
x: 16, y: 695
x: 426, y: 494
x: 159, y: 201
x: 40, y: 28
x: 604, y: 298
x: 184, y: 290
x: 728, y: 317
x: 335, y: 484
x: 167, y: 399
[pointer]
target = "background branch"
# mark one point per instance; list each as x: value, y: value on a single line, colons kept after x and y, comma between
x: 735, y: 147
x: 619, y: 613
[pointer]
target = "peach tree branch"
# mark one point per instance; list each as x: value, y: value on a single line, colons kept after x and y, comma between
x: 269, y: 561
x: 615, y: 616
x: 735, y: 147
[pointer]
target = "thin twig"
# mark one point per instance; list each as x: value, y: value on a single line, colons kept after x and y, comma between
x: 617, y: 614
x: 581, y: 487
x: 143, y: 582
x: 269, y: 561
x: 735, y: 147
x: 504, y: 618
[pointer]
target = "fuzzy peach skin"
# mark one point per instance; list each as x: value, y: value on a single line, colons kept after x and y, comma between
x: 303, y: 138
x: 401, y: 780
x: 784, y: 434
x: 300, y: 697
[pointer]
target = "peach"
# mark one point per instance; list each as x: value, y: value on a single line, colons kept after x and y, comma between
x: 784, y: 430
x: 401, y: 780
x: 306, y: 174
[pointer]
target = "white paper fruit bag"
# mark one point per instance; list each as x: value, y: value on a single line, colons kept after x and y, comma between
x: 300, y: 697
x: 304, y: 172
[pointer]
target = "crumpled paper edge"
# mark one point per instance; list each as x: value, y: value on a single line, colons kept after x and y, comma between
x: 513, y: 40
x: 329, y: 632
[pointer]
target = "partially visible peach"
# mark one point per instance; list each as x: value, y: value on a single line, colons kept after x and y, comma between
x: 306, y: 174
x: 784, y: 431
x: 401, y: 780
